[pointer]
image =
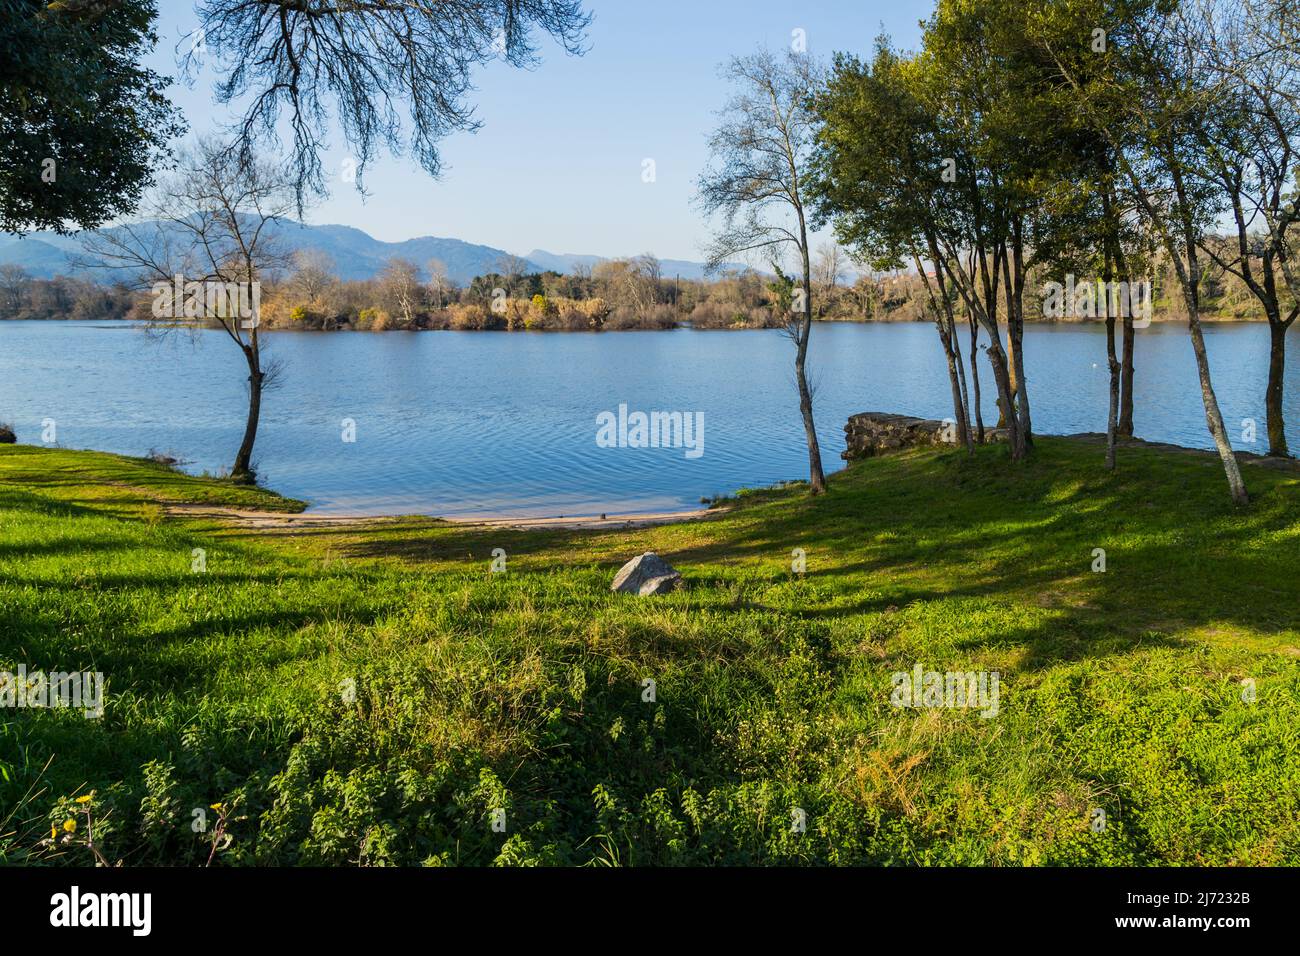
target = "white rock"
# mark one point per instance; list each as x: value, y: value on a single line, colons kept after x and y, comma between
x: 646, y: 574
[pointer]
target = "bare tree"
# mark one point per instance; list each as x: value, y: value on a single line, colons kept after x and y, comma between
x: 13, y: 282
x: 759, y: 152
x: 438, y: 281
x: 399, y: 283
x: 313, y: 274
x: 310, y: 62
x: 511, y: 268
x: 830, y: 265
x: 627, y: 283
x: 205, y: 248
x: 649, y: 266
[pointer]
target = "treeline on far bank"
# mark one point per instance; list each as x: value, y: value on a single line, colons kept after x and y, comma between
x: 616, y: 294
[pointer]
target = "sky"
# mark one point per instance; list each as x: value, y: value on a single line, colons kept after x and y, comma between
x: 557, y: 164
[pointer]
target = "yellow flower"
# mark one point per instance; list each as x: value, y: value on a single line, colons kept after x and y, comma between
x: 217, y: 807
x: 54, y: 831
x: 85, y: 798
x: 70, y: 826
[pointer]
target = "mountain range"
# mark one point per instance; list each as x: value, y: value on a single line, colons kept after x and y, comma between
x: 355, y: 254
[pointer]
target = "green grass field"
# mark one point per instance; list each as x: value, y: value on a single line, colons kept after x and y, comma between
x: 1121, y: 692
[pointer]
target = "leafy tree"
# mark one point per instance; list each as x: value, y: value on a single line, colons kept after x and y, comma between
x: 82, y: 125
x: 1250, y: 150
x: 972, y: 74
x: 874, y: 172
x: 1157, y: 66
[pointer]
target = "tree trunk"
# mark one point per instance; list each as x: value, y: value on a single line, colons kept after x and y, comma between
x: 243, y: 471
x: 1125, y: 426
x: 943, y: 320
x: 816, y: 477
x: 1016, y: 338
x: 1002, y: 376
x: 961, y: 374
x: 954, y: 380
x: 1190, y: 279
x: 1005, y: 410
x: 975, y: 377
x: 1016, y: 335
x: 1273, y: 396
x: 1112, y: 418
x: 1214, y: 417
x: 1112, y: 415
x: 1126, y: 378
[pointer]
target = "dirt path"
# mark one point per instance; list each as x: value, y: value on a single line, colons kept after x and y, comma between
x: 275, y: 520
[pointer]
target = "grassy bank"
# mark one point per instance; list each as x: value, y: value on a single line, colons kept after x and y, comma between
x: 372, y: 694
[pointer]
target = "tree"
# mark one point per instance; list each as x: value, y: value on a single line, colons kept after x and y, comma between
x: 81, y: 123
x: 1147, y: 105
x: 631, y: 284
x: 1086, y: 222
x: 830, y: 266
x: 205, y: 249
x: 13, y: 283
x: 307, y: 63
x: 511, y: 269
x: 1250, y: 150
x: 974, y: 75
x: 873, y: 173
x: 313, y: 274
x: 399, y: 283
x: 759, y: 154
x: 438, y: 281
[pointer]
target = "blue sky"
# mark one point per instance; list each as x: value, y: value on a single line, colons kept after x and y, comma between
x: 557, y: 164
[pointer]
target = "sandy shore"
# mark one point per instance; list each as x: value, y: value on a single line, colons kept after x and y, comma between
x: 274, y: 519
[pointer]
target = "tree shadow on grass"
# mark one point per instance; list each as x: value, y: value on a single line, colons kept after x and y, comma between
x: 1178, y: 557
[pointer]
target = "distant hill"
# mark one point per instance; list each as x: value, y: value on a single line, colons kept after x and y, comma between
x: 356, y: 254
x: 564, y: 262
x: 39, y: 256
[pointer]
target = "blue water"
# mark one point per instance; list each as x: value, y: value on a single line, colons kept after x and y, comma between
x: 476, y: 423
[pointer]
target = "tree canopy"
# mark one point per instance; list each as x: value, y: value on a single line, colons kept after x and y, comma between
x: 82, y: 125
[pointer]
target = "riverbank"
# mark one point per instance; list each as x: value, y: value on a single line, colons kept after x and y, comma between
x: 658, y: 325
x: 372, y: 693
x: 254, y: 518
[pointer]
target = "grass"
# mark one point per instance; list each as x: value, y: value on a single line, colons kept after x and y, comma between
x: 372, y: 694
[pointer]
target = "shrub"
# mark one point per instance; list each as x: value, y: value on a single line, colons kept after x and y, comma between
x: 710, y: 315
x: 465, y: 316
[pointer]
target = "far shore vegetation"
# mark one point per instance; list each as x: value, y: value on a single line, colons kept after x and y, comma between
x: 617, y: 294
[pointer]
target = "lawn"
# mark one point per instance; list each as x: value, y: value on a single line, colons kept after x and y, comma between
x: 375, y: 694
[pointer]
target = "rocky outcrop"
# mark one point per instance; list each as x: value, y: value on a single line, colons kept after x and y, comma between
x: 875, y: 433
x: 645, y: 575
